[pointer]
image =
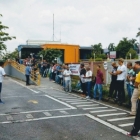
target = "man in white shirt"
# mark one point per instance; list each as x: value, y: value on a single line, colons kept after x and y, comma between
x: 2, y: 73
x: 88, y: 79
x: 67, y: 78
x: 121, y: 76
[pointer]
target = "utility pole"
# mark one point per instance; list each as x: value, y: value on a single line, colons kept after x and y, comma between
x: 53, y: 27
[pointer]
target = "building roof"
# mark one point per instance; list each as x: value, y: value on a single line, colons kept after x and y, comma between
x: 27, y: 46
x: 85, y: 47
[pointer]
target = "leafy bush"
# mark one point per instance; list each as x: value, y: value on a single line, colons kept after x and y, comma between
x: 98, y: 59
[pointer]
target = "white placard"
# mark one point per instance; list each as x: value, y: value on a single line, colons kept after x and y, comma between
x: 113, y: 54
x: 74, y: 68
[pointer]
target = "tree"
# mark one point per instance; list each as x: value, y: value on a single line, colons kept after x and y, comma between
x: 50, y: 54
x: 135, y: 44
x: 132, y: 52
x: 138, y: 34
x: 123, y: 47
x: 4, y: 36
x: 97, y: 48
x: 111, y: 47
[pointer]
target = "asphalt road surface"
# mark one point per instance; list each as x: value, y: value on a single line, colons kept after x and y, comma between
x: 48, y: 113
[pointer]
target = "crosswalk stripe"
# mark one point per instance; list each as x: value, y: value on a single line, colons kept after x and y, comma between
x: 127, y: 124
x: 103, y: 111
x: 94, y: 108
x: 68, y: 98
x: 118, y: 119
x: 64, y: 112
x: 47, y: 114
x: 73, y: 101
x: 9, y: 118
x: 87, y: 105
x: 29, y: 116
x: 81, y: 103
x: 113, y: 114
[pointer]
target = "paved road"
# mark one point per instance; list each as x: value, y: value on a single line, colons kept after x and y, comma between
x: 48, y: 113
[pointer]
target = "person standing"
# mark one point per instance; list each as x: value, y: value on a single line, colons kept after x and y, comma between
x: 88, y: 79
x: 99, y: 82
x: 82, y: 80
x: 112, y: 88
x: 135, y: 94
x: 121, y: 76
x: 129, y: 81
x: 27, y: 74
x: 2, y: 73
x: 67, y: 77
x: 136, y: 126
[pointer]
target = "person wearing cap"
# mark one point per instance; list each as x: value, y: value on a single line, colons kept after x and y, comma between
x: 82, y: 80
x: 135, y: 94
x: 121, y: 76
x: 136, y: 126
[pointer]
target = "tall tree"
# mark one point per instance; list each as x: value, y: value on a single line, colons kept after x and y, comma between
x: 138, y: 34
x: 97, y: 48
x: 111, y: 47
x: 50, y: 54
x: 123, y: 47
x: 4, y: 36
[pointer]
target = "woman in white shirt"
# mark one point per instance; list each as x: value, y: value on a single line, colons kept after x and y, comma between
x: 88, y: 79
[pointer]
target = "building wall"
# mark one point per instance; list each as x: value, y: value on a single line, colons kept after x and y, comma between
x: 71, y: 52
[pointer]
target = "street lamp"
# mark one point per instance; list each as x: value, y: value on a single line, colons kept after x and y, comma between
x: 41, y: 56
x: 130, y: 56
x: 94, y: 57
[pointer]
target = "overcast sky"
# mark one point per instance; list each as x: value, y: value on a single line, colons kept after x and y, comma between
x: 82, y: 22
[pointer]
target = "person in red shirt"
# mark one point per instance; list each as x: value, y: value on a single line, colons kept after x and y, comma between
x: 99, y: 82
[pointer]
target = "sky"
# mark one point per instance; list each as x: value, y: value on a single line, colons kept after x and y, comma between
x: 82, y: 22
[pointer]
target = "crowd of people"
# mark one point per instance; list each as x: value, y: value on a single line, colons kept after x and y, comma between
x: 122, y: 76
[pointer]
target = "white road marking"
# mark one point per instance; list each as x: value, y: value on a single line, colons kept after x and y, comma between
x: 34, y: 111
x: 9, y: 118
x: 127, y: 124
x: 43, y: 118
x: 64, y: 112
x: 103, y: 111
x: 23, y: 85
x: 62, y: 98
x: 107, y: 124
x: 113, y: 114
x: 81, y: 103
x: 69, y: 99
x: 21, y: 96
x: 87, y: 105
x: 118, y: 119
x: 60, y: 102
x: 75, y: 101
x: 29, y: 116
x: 94, y: 108
x: 47, y: 114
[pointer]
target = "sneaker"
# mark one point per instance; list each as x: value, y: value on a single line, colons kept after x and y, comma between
x: 130, y: 135
x: 87, y: 97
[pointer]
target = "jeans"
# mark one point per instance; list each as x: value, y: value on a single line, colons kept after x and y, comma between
x: 99, y: 88
x: 113, y: 89
x: 50, y: 76
x: 68, y: 85
x: 129, y: 90
x: 27, y: 79
x: 83, y: 86
x: 88, y: 85
x: 0, y: 90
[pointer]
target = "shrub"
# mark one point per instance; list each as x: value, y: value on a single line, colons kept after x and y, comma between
x: 98, y: 59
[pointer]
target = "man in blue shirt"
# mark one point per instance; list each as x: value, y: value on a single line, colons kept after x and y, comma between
x: 27, y: 74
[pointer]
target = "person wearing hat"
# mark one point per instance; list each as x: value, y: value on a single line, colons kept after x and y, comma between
x: 121, y: 76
